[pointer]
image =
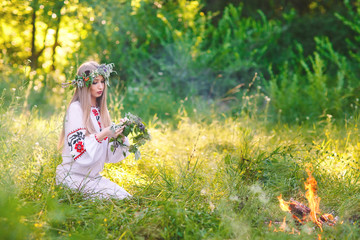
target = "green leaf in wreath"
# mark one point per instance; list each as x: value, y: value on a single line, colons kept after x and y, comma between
x: 127, y: 131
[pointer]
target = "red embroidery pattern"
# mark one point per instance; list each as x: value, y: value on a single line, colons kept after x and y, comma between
x: 79, y: 146
x: 97, y: 116
x: 97, y: 138
x: 76, y: 140
x: 79, y: 155
x: 75, y: 131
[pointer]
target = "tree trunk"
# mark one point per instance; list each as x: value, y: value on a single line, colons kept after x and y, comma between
x: 56, y: 41
x: 33, y: 57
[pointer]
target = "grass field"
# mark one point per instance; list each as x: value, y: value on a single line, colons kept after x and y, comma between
x: 241, y: 100
x: 217, y: 179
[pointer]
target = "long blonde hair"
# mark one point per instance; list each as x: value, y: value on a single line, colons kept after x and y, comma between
x: 83, y: 95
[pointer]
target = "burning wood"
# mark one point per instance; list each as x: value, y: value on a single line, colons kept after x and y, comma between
x: 329, y: 219
x: 298, y: 209
x: 302, y: 213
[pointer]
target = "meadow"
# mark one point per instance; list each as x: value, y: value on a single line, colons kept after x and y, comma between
x: 241, y: 100
x: 217, y: 178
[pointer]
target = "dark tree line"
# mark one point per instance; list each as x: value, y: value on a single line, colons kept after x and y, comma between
x: 275, y: 8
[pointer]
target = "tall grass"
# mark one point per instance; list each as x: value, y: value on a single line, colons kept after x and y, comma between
x: 212, y: 180
x: 322, y: 84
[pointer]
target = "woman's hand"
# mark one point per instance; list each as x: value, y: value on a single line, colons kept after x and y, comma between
x: 108, y: 132
x: 123, y: 120
x: 117, y: 132
x: 111, y: 133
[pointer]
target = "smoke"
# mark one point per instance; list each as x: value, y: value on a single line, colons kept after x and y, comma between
x: 257, y: 190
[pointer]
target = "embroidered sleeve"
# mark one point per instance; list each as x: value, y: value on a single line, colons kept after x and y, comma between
x: 84, y: 149
x: 76, y: 140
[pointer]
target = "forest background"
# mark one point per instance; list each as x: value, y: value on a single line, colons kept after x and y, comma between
x: 305, y: 53
x: 284, y: 70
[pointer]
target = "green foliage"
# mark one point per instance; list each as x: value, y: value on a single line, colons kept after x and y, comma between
x: 323, y: 84
x: 185, y: 53
x: 169, y: 51
x: 13, y: 223
x: 352, y: 21
x: 242, y: 43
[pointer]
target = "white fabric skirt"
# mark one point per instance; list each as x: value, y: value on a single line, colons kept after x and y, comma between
x: 98, y: 186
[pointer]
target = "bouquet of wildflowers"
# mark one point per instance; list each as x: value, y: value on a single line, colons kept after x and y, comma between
x: 134, y: 126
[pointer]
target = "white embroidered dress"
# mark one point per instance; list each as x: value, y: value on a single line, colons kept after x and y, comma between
x: 84, y: 157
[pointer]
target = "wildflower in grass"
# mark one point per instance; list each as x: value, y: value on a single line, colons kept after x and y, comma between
x: 38, y: 225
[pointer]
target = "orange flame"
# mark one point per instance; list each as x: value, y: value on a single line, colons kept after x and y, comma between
x: 298, y: 210
x: 285, y: 206
x: 328, y: 217
x: 283, y: 225
x: 313, y: 199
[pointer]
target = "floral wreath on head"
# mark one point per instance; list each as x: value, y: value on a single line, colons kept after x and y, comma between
x: 86, y: 79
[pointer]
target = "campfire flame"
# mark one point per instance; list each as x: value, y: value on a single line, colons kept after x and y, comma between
x: 283, y: 225
x: 285, y: 206
x: 301, y: 213
x: 313, y: 199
